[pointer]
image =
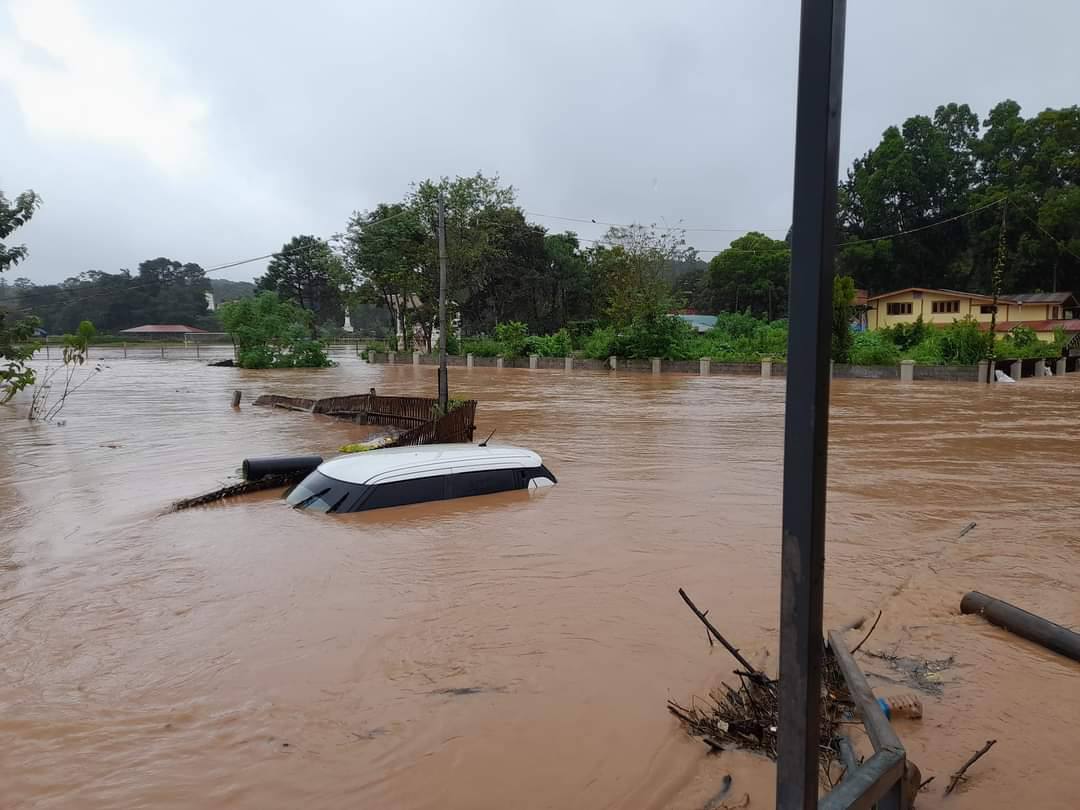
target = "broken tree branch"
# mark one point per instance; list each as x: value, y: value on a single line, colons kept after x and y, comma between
x: 959, y: 775
x: 855, y: 649
x: 727, y: 645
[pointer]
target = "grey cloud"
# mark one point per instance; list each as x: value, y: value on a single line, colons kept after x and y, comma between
x: 677, y: 111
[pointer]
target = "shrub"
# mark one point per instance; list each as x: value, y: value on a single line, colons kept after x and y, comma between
x: 557, y: 345
x: 480, y: 346
x: 271, y: 333
x: 928, y: 351
x: 873, y: 349
x: 906, y: 336
x: 512, y: 336
x: 600, y: 344
x: 963, y: 343
x: 741, y: 338
x: 655, y: 335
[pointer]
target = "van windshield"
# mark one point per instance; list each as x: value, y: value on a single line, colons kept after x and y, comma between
x: 320, y: 493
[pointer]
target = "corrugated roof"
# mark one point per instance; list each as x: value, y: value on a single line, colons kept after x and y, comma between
x: 1003, y: 299
x: 1041, y: 298
x: 1039, y: 326
x: 162, y: 329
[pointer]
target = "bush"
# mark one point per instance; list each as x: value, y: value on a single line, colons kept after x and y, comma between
x: 906, y: 336
x: 929, y: 350
x: 480, y: 346
x: 963, y: 343
x: 741, y: 338
x: 600, y: 344
x: 873, y: 349
x: 271, y: 333
x: 512, y: 336
x: 655, y: 335
x: 557, y: 345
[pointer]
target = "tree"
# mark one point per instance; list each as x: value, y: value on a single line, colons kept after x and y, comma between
x: 392, y: 255
x: 306, y: 272
x: 16, y: 338
x: 920, y: 174
x: 382, y: 250
x: 752, y: 274
x: 75, y: 348
x: 629, y: 272
x: 271, y: 333
x: 843, y: 311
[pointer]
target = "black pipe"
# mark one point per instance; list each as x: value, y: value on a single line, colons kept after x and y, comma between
x: 256, y: 468
x: 1033, y: 628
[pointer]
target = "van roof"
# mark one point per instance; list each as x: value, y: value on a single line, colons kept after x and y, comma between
x: 400, y: 463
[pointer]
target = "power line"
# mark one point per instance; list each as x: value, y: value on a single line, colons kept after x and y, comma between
x: 719, y: 229
x: 89, y: 295
x: 1059, y: 243
x: 998, y: 201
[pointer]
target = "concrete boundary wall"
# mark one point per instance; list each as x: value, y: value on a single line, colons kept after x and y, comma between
x: 766, y: 368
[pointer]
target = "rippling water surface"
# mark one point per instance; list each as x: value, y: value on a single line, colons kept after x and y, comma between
x: 511, y: 650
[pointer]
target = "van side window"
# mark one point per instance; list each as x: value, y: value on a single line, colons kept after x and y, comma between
x: 399, y: 493
x: 484, y: 482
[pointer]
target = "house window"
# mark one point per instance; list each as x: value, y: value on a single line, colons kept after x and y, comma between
x: 945, y: 306
x: 903, y: 308
x: 987, y: 309
x: 1055, y: 313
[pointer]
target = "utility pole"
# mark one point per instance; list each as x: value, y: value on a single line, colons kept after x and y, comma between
x: 444, y: 395
x: 995, y: 283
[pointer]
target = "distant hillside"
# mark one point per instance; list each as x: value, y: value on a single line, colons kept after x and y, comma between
x: 225, y: 290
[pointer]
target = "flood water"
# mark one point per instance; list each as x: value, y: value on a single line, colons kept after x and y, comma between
x: 513, y: 650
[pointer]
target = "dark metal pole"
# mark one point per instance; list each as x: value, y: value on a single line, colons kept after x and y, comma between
x: 806, y: 420
x: 1017, y: 620
x: 444, y: 392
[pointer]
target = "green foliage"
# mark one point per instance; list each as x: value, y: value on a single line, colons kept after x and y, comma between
x: 873, y: 349
x: 600, y: 344
x: 16, y: 338
x: 931, y: 169
x: 17, y: 347
x: 963, y: 343
x: 513, y: 337
x: 843, y: 312
x: 906, y: 336
x: 481, y: 347
x: 752, y: 275
x: 655, y: 336
x: 306, y: 272
x: 556, y: 345
x: 75, y: 348
x: 162, y: 291
x: 741, y: 338
x: 271, y: 333
x: 1023, y: 337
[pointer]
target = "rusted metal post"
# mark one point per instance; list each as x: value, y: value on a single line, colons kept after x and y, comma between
x: 806, y: 420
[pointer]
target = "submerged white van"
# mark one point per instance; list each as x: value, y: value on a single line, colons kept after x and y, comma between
x: 401, y: 475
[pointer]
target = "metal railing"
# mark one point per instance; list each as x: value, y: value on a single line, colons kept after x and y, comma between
x: 880, y: 779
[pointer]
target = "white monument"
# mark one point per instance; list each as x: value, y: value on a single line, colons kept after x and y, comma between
x: 347, y: 326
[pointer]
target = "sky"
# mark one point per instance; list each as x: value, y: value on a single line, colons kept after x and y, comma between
x: 215, y: 131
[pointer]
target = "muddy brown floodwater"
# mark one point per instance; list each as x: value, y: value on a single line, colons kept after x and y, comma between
x: 511, y: 650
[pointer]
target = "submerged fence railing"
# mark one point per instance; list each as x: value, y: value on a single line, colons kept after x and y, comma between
x: 880, y: 780
x: 418, y: 417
